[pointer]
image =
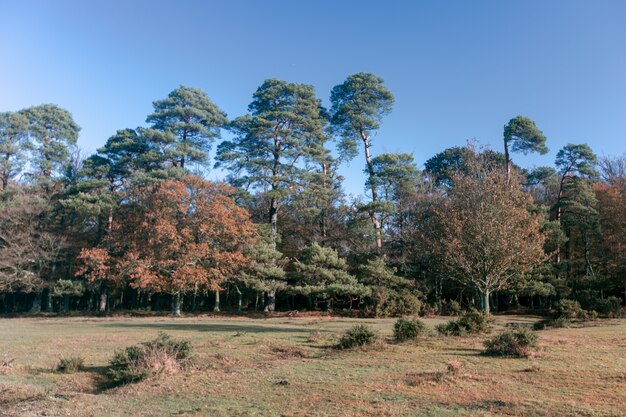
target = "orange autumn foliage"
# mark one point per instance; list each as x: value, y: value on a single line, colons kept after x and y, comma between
x: 178, y: 236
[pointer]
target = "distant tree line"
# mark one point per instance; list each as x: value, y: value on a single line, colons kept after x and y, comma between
x: 137, y: 225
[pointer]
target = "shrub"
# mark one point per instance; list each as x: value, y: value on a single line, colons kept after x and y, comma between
x: 451, y: 308
x: 160, y: 355
x: 393, y: 303
x: 569, y: 309
x: 555, y: 323
x: 471, y: 322
x: 358, y: 335
x: 610, y: 306
x: 408, y: 329
x: 516, y: 343
x: 70, y: 364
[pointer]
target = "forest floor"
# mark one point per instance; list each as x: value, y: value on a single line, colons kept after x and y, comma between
x: 284, y: 366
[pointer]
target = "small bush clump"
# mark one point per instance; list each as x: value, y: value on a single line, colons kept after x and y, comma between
x: 161, y: 355
x: 408, y: 329
x: 70, y: 364
x: 471, y: 322
x: 357, y: 335
x: 569, y: 309
x: 518, y: 343
x: 451, y: 308
x: 556, y: 323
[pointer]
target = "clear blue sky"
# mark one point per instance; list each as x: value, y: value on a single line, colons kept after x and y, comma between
x: 458, y: 69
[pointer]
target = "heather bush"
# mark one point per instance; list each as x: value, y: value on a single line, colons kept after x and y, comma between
x: 358, y: 335
x: 161, y: 355
x: 408, y: 329
x: 518, y: 343
x: 471, y: 322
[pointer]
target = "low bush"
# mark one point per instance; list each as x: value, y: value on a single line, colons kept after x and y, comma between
x: 408, y: 329
x: 555, y: 323
x: 518, y: 343
x: 357, y: 335
x: 451, y: 308
x: 569, y: 309
x: 471, y: 322
x: 609, y: 306
x: 394, y: 303
x: 161, y: 355
x: 70, y: 364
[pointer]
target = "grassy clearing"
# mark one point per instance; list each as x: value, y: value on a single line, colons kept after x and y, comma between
x: 284, y: 366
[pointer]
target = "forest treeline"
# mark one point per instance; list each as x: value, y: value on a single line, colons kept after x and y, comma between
x: 137, y: 225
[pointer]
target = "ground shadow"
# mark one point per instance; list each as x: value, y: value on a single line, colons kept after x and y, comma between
x: 213, y: 327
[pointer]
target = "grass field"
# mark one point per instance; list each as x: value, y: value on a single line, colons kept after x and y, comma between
x: 283, y: 366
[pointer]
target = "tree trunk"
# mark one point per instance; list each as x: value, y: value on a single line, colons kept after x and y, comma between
x: 271, y: 301
x: 239, y: 299
x: 36, y: 306
x: 104, y: 297
x: 588, y: 266
x: 372, y: 211
x: 485, y: 301
x: 66, y: 303
x: 49, y: 301
x: 176, y: 304
x: 216, y: 307
x: 507, y: 161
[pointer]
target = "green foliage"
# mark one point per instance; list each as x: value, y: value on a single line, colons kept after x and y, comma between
x: 524, y: 136
x: 518, y: 343
x: 68, y: 287
x: 471, y: 322
x: 408, y: 329
x: 358, y: 335
x: 13, y: 146
x: 576, y: 159
x: 569, y: 309
x: 53, y: 132
x: 322, y: 273
x: 451, y: 308
x: 391, y: 295
x: 285, y: 125
x: 189, y: 122
x: 137, y: 362
x: 357, y: 107
x: 459, y: 159
x: 266, y: 271
x: 70, y: 364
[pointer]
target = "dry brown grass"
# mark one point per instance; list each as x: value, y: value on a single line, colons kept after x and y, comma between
x: 240, y: 362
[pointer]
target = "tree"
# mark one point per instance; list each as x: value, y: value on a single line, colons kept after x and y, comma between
x: 579, y: 213
x: 28, y: 250
x: 358, y: 106
x: 522, y: 135
x: 572, y: 161
x: 53, y: 132
x: 322, y: 274
x: 176, y: 237
x: 192, y: 122
x: 488, y: 235
x: 612, y: 245
x: 391, y: 295
x: 397, y: 179
x: 13, y: 145
x: 285, y: 128
x: 265, y: 272
x: 450, y: 161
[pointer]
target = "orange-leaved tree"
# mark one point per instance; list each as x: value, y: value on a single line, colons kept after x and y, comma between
x: 181, y: 235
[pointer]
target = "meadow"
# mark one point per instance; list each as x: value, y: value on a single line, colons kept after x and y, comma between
x: 286, y: 366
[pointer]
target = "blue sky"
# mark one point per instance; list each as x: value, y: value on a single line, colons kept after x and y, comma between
x: 458, y: 69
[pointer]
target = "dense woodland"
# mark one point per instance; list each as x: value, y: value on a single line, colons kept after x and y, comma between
x: 137, y: 226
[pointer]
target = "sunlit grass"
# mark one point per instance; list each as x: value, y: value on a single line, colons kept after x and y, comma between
x: 286, y: 366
